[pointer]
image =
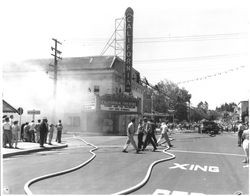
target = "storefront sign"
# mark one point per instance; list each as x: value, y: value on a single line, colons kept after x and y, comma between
x: 118, y: 103
x: 90, y: 103
x: 129, y: 14
x: 118, y: 106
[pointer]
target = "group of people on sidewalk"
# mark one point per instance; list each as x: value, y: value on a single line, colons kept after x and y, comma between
x: 40, y: 132
x: 11, y: 131
x: 146, y: 128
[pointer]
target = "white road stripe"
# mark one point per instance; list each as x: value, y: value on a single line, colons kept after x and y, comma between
x: 167, y: 192
x: 211, y: 153
x: 186, y: 151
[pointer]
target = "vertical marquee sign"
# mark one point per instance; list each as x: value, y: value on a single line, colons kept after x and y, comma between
x: 129, y: 14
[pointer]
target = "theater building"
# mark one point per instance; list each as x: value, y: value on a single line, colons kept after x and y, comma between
x: 98, y: 103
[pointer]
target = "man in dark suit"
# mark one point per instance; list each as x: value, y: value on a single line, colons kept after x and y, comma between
x: 149, y: 137
x: 43, y: 131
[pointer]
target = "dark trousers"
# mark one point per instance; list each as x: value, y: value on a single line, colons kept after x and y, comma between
x: 7, y: 138
x: 149, y: 139
x: 239, y: 137
x: 154, y: 138
x: 140, y: 140
x: 59, y: 136
x: 45, y: 137
x: 42, y: 138
x: 32, y: 135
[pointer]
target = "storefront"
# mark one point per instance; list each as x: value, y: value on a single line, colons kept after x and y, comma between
x: 111, y: 114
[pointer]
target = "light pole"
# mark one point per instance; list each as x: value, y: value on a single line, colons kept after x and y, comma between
x: 172, y: 111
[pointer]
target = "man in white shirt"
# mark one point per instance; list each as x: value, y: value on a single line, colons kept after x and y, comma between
x: 130, y: 136
x: 164, y: 134
x: 32, y: 131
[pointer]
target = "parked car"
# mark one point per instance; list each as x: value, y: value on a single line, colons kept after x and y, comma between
x: 209, y: 126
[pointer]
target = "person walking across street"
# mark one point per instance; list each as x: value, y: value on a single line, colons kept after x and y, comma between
x: 43, y: 131
x: 51, y: 131
x: 130, y: 136
x: 140, y: 131
x: 59, y: 128
x: 7, y: 133
x: 153, y: 131
x: 164, y: 135
x: 15, y: 132
x: 149, y: 137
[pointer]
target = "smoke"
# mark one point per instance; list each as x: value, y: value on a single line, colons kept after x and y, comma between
x: 26, y: 84
x: 30, y: 84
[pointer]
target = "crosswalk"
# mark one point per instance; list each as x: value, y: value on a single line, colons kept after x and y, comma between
x: 167, y: 192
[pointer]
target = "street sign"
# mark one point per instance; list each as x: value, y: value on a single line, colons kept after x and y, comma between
x: 33, y: 112
x: 20, y: 111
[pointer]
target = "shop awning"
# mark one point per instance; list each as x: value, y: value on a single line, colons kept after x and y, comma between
x: 7, y: 108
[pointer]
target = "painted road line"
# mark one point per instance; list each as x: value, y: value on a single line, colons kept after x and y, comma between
x: 167, y: 192
x: 210, y: 153
x: 161, y: 192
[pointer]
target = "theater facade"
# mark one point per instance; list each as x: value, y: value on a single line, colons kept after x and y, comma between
x: 102, y: 107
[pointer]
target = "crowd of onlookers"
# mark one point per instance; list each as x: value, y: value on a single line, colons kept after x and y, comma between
x: 40, y: 132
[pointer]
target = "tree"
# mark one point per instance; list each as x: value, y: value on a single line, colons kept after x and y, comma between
x: 203, y: 106
x: 226, y: 107
x: 170, y: 97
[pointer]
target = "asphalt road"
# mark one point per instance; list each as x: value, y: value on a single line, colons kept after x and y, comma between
x: 203, y: 164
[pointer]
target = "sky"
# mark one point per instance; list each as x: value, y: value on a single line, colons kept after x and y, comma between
x: 200, y: 41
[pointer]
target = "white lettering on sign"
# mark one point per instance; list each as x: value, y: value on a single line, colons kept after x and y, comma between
x: 194, y: 167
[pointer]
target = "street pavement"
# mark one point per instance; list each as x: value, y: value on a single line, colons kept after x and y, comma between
x: 203, y: 165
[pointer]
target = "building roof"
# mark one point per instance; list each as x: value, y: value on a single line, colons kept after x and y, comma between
x: 67, y: 64
x: 7, y: 108
x: 89, y: 63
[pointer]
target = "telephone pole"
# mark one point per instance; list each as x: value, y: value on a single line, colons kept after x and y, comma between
x: 56, y: 58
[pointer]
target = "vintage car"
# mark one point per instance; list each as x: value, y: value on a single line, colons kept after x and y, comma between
x: 210, y: 126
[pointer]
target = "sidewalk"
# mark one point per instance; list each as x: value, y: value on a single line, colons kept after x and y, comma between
x: 29, y: 147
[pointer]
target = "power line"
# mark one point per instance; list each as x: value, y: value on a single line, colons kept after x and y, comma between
x: 212, y: 75
x: 169, y: 38
x: 194, y: 58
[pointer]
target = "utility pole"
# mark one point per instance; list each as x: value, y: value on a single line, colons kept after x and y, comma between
x: 56, y: 57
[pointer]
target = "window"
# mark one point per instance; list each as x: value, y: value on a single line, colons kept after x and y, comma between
x: 74, y: 121
x: 96, y: 89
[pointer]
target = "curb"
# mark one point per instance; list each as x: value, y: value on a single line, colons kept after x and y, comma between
x: 33, y: 150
